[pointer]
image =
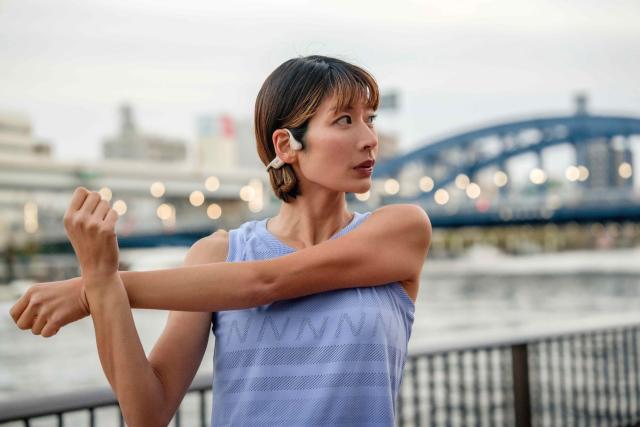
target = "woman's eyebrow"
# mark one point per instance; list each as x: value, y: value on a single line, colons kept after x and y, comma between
x: 334, y: 109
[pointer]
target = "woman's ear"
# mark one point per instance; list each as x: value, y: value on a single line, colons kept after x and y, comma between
x: 282, y: 144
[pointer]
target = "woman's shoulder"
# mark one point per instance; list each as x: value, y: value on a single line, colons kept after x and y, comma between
x: 212, y: 248
x: 403, y: 214
x: 232, y: 243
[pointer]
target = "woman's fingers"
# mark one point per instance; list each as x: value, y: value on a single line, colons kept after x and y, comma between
x: 78, y: 198
x: 50, y: 330
x: 101, y: 211
x: 26, y: 318
x: 91, y: 231
x: 50, y: 306
x: 38, y: 324
x: 19, y: 307
x: 90, y: 203
x: 111, y: 219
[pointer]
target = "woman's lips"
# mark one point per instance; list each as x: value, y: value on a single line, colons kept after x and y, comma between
x: 365, y: 171
x: 366, y: 164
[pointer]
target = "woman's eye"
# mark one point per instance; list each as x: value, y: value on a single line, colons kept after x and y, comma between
x: 344, y: 120
x: 372, y: 118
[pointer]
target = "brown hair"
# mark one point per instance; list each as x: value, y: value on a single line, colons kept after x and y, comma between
x: 291, y: 95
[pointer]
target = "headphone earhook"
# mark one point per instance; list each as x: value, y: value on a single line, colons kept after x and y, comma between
x: 277, y: 162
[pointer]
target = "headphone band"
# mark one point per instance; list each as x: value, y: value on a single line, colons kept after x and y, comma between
x: 277, y: 162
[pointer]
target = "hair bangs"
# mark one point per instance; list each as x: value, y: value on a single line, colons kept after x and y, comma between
x: 354, y: 86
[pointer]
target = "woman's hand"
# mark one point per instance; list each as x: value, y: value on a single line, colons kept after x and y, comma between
x: 90, y: 226
x: 47, y: 307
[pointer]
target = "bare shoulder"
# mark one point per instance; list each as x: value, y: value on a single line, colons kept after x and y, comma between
x: 403, y: 211
x: 212, y: 248
x: 405, y: 216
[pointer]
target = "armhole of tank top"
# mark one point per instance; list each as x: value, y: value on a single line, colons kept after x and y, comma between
x: 232, y: 256
x: 235, y: 248
x: 229, y: 246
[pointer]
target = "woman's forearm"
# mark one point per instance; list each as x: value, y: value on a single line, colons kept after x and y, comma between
x: 122, y: 356
x: 208, y: 287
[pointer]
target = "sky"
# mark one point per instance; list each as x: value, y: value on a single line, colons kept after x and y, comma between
x: 457, y: 65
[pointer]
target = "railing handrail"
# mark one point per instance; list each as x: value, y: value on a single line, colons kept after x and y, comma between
x: 96, y: 397
x: 510, y: 338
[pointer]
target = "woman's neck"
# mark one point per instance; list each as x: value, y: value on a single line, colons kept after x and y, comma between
x: 311, y: 219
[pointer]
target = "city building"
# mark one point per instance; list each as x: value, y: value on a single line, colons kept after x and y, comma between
x: 132, y: 144
x: 604, y: 159
x: 388, y: 124
x: 16, y: 137
x: 246, y: 141
x: 216, y: 145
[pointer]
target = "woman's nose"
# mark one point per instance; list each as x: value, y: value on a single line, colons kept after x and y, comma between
x: 369, y: 138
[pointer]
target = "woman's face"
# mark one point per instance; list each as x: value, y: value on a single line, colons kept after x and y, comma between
x: 335, y: 143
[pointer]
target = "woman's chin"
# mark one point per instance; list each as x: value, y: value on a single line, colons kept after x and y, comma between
x: 359, y: 189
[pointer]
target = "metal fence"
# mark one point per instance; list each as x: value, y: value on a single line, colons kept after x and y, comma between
x: 573, y: 378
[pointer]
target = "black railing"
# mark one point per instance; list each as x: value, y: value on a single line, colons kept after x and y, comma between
x: 573, y: 378
x: 587, y: 378
x: 87, y: 408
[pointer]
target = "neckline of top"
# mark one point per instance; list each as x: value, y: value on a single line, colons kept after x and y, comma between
x: 273, y: 239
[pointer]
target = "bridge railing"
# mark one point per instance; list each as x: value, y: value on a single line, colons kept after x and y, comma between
x: 571, y: 377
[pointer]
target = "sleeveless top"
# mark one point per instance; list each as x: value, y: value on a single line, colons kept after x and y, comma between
x: 333, y: 358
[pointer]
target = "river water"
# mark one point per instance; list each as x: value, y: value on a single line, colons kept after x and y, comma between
x: 480, y: 296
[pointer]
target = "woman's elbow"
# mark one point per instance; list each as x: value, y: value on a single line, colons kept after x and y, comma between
x: 427, y: 231
x: 419, y: 228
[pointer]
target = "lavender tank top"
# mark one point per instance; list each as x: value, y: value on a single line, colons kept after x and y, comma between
x: 334, y: 358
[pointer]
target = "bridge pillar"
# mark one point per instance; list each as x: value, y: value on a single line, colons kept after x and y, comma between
x: 619, y: 154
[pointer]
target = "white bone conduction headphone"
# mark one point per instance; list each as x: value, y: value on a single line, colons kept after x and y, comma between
x: 277, y: 162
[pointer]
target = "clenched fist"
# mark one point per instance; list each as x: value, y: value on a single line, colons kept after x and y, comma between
x: 90, y: 225
x: 47, y: 307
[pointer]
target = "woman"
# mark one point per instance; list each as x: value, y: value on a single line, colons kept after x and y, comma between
x: 312, y: 309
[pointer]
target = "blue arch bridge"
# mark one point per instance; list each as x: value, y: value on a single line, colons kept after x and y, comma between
x: 502, y: 174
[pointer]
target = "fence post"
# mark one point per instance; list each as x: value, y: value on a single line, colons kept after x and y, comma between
x: 521, y: 395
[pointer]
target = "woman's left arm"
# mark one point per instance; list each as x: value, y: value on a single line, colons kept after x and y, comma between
x: 390, y: 245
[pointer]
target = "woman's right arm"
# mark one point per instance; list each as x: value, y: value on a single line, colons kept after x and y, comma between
x: 150, y: 390
x: 177, y: 354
